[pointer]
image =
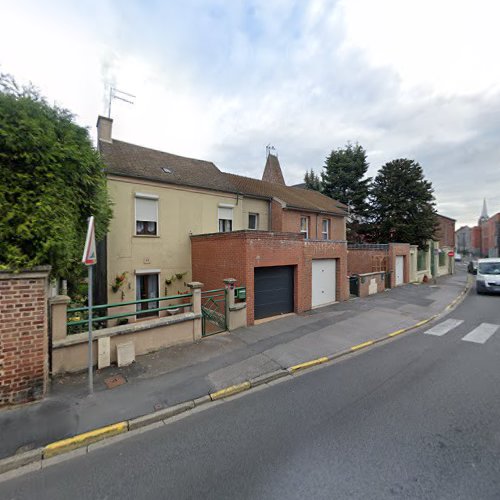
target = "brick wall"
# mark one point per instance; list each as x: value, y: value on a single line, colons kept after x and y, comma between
x: 291, y: 224
x: 399, y: 249
x: 362, y: 261
x: 366, y: 259
x: 236, y: 255
x: 446, y: 232
x: 23, y: 336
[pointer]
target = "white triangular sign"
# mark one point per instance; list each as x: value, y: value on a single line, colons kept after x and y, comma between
x: 89, y: 254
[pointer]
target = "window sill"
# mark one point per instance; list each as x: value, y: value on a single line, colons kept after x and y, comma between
x: 146, y: 236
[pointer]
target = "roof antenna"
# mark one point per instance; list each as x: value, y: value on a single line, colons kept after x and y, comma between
x: 114, y: 93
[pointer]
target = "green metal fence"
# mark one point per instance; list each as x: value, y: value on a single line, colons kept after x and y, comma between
x: 213, y: 311
x: 78, y: 316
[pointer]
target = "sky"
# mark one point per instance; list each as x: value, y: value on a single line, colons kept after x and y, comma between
x: 221, y: 79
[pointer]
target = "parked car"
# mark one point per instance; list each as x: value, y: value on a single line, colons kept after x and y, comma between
x: 458, y: 257
x: 488, y: 276
x: 472, y: 267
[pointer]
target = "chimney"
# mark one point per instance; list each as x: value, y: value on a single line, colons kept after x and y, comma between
x: 104, y: 127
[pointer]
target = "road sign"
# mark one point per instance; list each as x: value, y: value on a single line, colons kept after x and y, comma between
x: 451, y: 253
x: 89, y: 254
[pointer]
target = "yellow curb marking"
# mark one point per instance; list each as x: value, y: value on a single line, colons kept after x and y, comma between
x: 84, y: 439
x: 308, y: 364
x: 360, y: 346
x: 423, y: 322
x: 229, y: 391
x: 397, y: 332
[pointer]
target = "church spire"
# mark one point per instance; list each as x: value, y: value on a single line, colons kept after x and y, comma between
x: 484, y: 214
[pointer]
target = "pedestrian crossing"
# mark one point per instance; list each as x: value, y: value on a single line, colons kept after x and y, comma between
x: 479, y: 335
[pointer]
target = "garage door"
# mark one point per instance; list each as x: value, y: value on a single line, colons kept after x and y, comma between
x: 400, y: 262
x: 323, y: 281
x: 273, y: 291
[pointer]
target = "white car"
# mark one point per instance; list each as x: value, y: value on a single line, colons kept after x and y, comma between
x: 488, y: 276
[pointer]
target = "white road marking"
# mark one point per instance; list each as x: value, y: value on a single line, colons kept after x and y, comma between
x: 444, y: 327
x: 481, y: 334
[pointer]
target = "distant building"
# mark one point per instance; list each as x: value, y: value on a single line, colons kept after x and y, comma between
x: 485, y: 237
x: 463, y: 239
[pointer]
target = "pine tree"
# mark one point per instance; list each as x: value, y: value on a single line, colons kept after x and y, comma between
x: 343, y: 179
x: 402, y: 204
x: 312, y: 181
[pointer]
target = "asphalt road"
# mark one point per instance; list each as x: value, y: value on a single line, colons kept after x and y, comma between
x: 414, y: 418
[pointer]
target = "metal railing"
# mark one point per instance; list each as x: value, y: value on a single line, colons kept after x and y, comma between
x: 84, y: 309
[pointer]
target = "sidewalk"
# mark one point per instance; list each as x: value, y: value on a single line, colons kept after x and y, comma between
x: 186, y: 372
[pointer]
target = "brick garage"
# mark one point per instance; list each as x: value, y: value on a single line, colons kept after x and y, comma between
x: 23, y: 336
x: 236, y: 255
x: 370, y: 258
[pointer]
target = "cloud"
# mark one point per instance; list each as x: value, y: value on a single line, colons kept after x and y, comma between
x: 219, y: 80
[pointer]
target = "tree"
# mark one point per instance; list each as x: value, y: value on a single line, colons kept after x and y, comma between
x: 312, y: 181
x: 52, y: 180
x: 402, y: 204
x: 343, y: 180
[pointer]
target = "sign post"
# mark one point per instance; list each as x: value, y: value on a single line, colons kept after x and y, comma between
x: 89, y: 259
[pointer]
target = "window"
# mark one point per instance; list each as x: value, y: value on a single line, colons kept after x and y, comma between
x: 325, y: 229
x: 146, y: 215
x: 253, y: 221
x: 304, y: 226
x: 225, y: 219
x: 146, y: 287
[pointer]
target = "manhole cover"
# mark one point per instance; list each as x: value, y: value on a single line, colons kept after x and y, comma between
x: 115, y: 381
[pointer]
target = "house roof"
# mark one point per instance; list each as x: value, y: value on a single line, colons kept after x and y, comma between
x: 445, y: 217
x: 272, y: 170
x: 123, y: 158
x: 292, y: 197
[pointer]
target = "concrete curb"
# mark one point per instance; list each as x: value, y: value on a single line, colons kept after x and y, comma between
x: 27, y: 461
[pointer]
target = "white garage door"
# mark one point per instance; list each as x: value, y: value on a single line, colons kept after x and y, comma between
x: 400, y: 264
x: 323, y: 281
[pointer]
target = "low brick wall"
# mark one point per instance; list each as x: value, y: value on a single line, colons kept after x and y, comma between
x: 371, y: 283
x: 23, y: 335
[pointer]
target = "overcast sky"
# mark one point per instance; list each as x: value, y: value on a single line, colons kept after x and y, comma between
x: 221, y: 79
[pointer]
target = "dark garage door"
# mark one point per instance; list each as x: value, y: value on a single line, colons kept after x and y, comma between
x: 273, y: 291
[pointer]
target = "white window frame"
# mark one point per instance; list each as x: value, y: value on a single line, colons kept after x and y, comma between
x: 256, y: 215
x: 146, y: 196
x: 327, y: 232
x: 306, y: 231
x: 222, y: 213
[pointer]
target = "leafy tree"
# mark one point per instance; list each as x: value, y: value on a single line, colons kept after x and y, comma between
x: 312, y: 181
x: 52, y: 180
x: 343, y: 180
x: 402, y: 204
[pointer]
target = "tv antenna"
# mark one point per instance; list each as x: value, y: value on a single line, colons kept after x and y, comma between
x: 114, y: 93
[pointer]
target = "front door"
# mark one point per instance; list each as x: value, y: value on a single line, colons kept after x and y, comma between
x: 146, y: 288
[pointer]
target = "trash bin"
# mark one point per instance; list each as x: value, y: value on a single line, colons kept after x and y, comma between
x: 354, y: 285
